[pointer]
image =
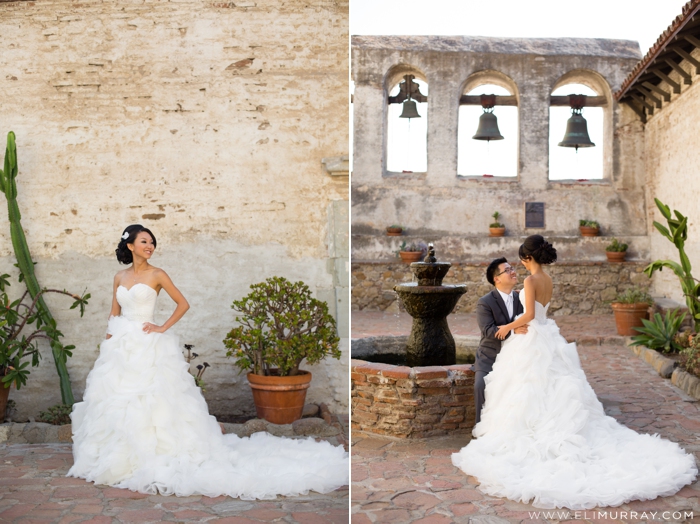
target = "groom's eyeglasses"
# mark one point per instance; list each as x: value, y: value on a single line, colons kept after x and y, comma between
x: 506, y: 270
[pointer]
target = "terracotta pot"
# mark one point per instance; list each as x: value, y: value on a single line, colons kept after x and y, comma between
x: 279, y: 400
x: 616, y: 256
x: 394, y: 231
x: 410, y: 256
x: 4, y: 393
x: 629, y: 316
x: 497, y: 231
x: 588, y: 231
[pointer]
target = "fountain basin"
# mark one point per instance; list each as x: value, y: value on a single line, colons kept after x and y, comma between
x: 429, y: 301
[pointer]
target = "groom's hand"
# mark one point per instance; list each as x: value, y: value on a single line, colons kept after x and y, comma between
x: 522, y: 330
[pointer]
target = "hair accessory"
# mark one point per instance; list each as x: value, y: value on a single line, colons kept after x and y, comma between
x: 125, y: 235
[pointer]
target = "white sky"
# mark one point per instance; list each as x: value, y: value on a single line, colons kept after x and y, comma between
x: 639, y: 20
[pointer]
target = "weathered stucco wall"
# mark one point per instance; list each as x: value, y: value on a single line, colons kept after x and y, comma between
x: 206, y: 122
x: 438, y: 203
x: 673, y: 170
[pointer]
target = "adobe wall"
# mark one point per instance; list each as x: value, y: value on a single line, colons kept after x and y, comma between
x: 206, y: 122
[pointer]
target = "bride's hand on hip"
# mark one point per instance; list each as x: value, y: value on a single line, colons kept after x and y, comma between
x: 152, y: 328
x: 502, y: 332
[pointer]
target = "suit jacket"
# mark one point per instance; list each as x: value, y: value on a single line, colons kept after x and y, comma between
x: 492, y: 312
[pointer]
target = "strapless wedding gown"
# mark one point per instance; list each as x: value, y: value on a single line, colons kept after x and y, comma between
x: 544, y: 437
x: 145, y: 426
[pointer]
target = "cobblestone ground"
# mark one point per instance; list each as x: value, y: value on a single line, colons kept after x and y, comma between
x: 415, y: 482
x: 33, y: 489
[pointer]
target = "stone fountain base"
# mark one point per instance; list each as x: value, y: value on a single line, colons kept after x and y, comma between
x: 410, y: 402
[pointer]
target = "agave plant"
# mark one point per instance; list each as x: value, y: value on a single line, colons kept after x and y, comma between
x: 660, y: 333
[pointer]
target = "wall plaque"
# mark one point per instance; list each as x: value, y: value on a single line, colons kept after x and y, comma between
x: 534, y: 215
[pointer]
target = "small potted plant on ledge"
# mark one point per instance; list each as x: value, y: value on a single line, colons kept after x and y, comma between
x: 588, y: 228
x: 281, y: 324
x: 616, y: 251
x: 630, y: 307
x: 394, y: 231
x: 410, y: 252
x: 496, y: 229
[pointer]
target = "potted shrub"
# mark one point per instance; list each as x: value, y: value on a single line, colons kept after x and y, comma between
x: 588, y: 228
x: 496, y: 229
x: 394, y: 231
x: 630, y: 307
x: 410, y: 252
x: 281, y: 324
x: 18, y: 348
x: 615, y: 251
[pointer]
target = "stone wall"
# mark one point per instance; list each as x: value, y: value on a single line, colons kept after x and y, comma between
x: 439, y: 203
x: 207, y: 122
x: 418, y: 402
x: 580, y: 288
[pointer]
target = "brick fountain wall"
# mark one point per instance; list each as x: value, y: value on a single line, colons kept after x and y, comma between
x: 405, y: 402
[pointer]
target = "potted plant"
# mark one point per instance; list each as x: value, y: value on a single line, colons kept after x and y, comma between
x: 280, y: 324
x: 615, y: 251
x: 394, y: 231
x: 410, y: 252
x: 18, y: 348
x: 630, y: 307
x: 588, y: 228
x: 496, y: 229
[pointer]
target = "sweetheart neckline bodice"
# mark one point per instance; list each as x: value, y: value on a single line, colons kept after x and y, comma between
x: 137, y: 284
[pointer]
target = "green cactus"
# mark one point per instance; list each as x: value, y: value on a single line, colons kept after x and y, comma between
x: 26, y: 266
x: 677, y: 233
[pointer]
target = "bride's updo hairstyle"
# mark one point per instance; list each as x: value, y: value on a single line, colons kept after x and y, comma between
x: 537, y: 248
x: 124, y: 254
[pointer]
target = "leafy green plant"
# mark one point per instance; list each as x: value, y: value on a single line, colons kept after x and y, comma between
x: 60, y: 352
x: 616, y: 247
x: 201, y: 368
x: 281, y: 324
x: 57, y: 415
x: 496, y: 222
x: 17, y: 348
x: 659, y: 333
x: 633, y: 295
x: 588, y: 223
x: 677, y: 232
x: 690, y: 356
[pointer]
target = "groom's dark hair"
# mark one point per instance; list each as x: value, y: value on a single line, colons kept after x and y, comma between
x: 493, y: 269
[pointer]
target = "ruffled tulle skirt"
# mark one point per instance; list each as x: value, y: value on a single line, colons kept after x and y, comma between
x: 544, y: 436
x: 144, y: 425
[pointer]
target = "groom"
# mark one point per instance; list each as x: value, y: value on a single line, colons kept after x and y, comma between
x: 497, y: 308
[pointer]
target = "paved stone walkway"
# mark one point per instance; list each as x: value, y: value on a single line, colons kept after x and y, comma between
x: 414, y: 481
x: 34, y: 489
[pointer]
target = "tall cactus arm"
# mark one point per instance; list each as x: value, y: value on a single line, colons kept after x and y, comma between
x: 26, y: 266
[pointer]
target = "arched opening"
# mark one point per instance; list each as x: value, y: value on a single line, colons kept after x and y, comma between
x: 481, y: 157
x: 407, y: 138
x: 585, y: 163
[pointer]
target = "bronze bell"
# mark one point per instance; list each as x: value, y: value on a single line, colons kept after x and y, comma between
x: 409, y: 110
x: 576, y: 132
x: 488, y: 128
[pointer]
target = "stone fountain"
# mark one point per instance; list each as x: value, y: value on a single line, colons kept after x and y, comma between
x: 429, y: 302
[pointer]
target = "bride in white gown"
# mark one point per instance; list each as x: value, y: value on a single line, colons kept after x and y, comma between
x: 544, y: 436
x: 144, y: 425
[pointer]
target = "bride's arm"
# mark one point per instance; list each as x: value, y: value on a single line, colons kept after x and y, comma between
x: 525, y: 317
x: 182, y: 305
x: 116, y: 308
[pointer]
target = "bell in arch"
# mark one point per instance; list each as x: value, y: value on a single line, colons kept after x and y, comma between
x: 576, y: 132
x: 488, y: 127
x: 410, y: 110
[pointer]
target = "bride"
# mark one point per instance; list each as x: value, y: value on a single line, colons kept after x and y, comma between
x: 543, y: 435
x: 144, y: 425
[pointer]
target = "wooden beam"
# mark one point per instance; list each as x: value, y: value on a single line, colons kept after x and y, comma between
x: 639, y: 99
x: 591, y: 101
x: 676, y: 87
x: 687, y: 79
x: 647, y: 94
x: 689, y: 58
x: 640, y: 112
x: 692, y: 40
x: 475, y: 100
x: 657, y: 89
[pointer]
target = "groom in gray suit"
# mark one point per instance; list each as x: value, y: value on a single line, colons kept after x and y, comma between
x: 497, y: 308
